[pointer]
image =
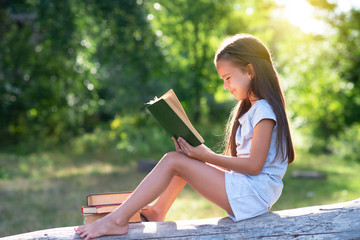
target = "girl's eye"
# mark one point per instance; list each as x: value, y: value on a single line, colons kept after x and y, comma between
x: 227, y: 78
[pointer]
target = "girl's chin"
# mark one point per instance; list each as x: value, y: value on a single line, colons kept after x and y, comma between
x: 239, y: 98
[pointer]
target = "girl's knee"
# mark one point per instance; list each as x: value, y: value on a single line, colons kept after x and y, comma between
x: 172, y: 159
x: 171, y: 155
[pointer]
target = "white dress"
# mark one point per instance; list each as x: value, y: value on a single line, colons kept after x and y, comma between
x: 250, y: 196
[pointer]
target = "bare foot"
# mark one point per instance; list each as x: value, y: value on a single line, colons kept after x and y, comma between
x: 104, y: 226
x: 152, y: 214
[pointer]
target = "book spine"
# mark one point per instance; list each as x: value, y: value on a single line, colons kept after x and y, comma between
x: 97, y: 199
x: 89, y: 218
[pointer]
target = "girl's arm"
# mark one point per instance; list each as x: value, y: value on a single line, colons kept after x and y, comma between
x: 253, y: 165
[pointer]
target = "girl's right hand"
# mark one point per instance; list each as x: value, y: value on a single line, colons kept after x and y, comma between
x: 177, y: 146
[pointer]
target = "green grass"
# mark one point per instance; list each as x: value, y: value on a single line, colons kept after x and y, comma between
x: 47, y: 190
x: 342, y: 182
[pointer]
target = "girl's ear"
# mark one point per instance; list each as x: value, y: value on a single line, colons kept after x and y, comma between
x: 250, y: 71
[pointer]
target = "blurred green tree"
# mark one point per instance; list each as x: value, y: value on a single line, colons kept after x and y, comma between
x: 69, y: 65
x: 324, y: 93
x: 347, y: 61
x: 189, y: 33
x: 41, y: 92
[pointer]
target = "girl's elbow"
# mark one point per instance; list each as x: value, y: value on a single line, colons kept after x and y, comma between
x: 256, y: 169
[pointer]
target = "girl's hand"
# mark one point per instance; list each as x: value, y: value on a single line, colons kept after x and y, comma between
x: 200, y: 152
x: 177, y: 147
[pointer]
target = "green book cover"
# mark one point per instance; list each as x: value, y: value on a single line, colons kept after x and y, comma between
x: 172, y: 123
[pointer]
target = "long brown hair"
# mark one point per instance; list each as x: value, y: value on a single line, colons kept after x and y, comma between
x: 242, y: 50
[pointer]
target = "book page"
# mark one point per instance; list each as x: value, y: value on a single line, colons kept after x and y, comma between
x: 153, y: 101
x: 171, y: 98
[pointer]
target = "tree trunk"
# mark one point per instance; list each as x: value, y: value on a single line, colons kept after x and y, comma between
x: 336, y: 221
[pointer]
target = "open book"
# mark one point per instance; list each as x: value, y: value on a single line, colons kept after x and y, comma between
x: 172, y: 117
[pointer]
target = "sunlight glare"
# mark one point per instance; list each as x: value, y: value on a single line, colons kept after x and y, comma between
x: 300, y: 13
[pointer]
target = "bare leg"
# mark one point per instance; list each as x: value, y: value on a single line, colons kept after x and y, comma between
x: 157, y: 212
x: 198, y: 174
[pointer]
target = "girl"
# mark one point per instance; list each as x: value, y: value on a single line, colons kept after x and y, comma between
x: 247, y: 179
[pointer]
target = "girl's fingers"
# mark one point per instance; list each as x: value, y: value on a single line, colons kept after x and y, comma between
x: 185, y: 147
x: 177, y: 146
x: 175, y: 143
x: 183, y: 142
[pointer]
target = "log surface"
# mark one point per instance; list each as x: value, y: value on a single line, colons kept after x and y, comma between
x: 335, y: 221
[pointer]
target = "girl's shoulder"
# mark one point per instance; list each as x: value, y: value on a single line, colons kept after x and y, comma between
x: 261, y: 109
x: 262, y: 103
x: 261, y: 106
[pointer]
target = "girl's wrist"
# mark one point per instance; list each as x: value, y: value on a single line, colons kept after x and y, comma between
x: 210, y: 157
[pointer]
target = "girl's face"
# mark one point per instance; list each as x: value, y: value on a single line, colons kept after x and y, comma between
x: 235, y: 79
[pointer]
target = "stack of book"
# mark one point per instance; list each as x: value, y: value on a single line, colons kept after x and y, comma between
x: 100, y: 204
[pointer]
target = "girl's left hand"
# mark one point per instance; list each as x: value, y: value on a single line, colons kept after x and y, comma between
x: 200, y: 152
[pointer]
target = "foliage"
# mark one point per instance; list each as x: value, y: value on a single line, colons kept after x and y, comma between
x: 121, y: 142
x: 347, y: 61
x: 64, y: 68
x: 310, y: 77
x: 42, y: 84
x: 346, y: 146
x: 323, y: 90
x: 69, y: 70
x: 188, y: 32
